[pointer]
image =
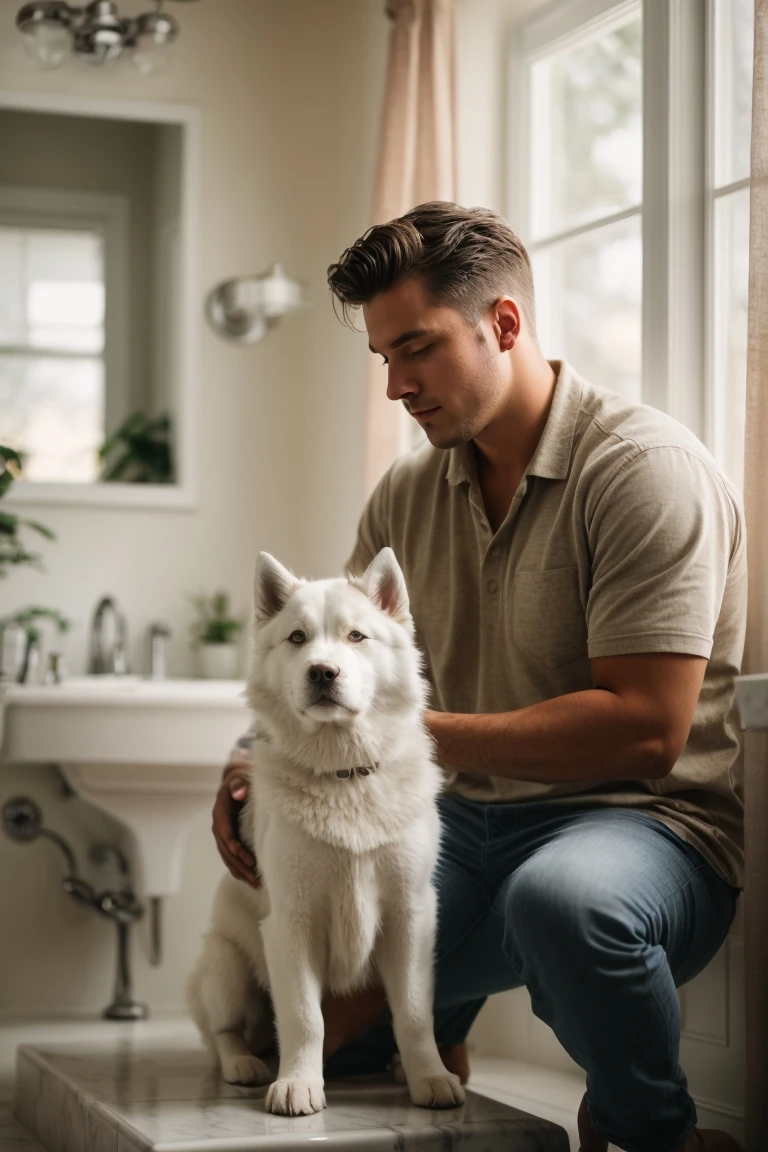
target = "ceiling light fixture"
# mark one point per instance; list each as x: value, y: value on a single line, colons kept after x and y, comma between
x: 97, y: 34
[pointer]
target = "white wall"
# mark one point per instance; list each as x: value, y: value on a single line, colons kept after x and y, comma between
x: 289, y: 92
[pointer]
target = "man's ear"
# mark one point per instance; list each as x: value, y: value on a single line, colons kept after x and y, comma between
x: 384, y: 585
x: 508, y: 323
x: 273, y: 586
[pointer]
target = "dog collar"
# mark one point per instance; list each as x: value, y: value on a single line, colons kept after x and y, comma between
x: 346, y: 773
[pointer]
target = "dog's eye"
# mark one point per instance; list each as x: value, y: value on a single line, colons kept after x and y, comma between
x: 297, y: 637
x: 356, y: 636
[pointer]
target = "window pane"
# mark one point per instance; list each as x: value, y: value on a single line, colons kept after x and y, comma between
x: 589, y: 304
x: 730, y: 330
x: 733, y: 43
x: 52, y: 293
x: 586, y: 130
x: 52, y: 411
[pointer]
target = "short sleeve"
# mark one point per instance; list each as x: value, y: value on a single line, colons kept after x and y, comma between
x: 373, y: 529
x: 661, y: 538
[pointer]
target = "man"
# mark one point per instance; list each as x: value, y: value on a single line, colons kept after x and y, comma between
x: 576, y: 568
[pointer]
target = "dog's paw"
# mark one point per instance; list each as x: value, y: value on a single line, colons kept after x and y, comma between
x: 438, y: 1091
x: 398, y: 1072
x: 245, y: 1070
x: 295, y: 1097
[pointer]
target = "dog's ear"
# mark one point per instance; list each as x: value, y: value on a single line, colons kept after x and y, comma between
x: 383, y: 583
x: 272, y: 587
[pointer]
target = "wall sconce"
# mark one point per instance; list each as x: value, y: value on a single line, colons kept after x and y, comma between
x: 245, y: 309
x: 97, y: 34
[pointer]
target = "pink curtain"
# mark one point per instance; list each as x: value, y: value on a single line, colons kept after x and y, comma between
x: 416, y: 163
x: 756, y: 648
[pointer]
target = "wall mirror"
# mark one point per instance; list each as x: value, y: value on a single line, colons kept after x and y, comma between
x: 98, y: 323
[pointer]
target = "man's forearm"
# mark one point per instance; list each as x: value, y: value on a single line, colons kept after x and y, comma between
x: 590, y: 735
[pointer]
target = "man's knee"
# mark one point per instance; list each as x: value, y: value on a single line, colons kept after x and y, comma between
x: 556, y: 915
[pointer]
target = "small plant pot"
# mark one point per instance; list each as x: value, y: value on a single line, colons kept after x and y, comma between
x: 219, y: 662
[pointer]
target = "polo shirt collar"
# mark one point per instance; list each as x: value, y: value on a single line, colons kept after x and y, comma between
x: 552, y: 458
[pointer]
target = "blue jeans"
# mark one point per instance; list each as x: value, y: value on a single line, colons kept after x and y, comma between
x: 600, y: 913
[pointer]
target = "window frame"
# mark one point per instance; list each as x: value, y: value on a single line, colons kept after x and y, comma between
x: 676, y: 374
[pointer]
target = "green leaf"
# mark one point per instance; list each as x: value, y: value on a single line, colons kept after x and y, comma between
x: 41, y: 528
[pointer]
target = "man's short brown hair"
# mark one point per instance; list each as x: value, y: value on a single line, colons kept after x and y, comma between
x: 467, y: 257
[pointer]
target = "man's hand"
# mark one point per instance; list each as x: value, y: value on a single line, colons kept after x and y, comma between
x: 229, y: 800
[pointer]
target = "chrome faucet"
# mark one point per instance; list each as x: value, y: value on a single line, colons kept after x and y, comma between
x: 116, y: 660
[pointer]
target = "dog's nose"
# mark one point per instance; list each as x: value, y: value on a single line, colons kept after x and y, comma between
x: 323, y: 673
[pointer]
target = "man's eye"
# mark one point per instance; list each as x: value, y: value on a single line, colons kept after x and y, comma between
x: 419, y: 351
x: 356, y: 636
x: 297, y: 637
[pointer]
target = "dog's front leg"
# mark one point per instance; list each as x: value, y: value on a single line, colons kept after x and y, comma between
x: 296, y: 993
x: 404, y: 957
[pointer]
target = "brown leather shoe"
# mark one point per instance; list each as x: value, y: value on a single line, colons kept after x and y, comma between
x: 700, y: 1140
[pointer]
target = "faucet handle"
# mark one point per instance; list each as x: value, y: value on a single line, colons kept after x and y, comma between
x: 158, y: 634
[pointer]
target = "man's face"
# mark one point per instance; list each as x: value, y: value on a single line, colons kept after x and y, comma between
x: 453, y: 378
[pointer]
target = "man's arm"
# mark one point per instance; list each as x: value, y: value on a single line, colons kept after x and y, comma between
x: 632, y: 725
x: 230, y: 797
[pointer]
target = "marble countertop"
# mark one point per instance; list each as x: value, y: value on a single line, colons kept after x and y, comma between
x: 122, y: 1095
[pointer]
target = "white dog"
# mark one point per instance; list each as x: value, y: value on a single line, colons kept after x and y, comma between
x: 342, y: 819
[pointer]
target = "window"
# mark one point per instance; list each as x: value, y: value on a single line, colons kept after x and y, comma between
x: 52, y: 349
x: 629, y: 139
x: 586, y: 199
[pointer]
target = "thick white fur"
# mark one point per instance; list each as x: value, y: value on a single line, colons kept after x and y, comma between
x: 346, y: 864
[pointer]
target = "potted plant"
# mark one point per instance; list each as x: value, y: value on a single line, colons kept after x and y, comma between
x: 19, y: 631
x: 139, y: 451
x: 215, y: 633
x: 12, y: 550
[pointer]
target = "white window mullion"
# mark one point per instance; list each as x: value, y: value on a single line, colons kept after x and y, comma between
x: 674, y: 208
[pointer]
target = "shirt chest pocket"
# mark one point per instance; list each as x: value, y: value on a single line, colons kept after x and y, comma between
x: 548, y: 621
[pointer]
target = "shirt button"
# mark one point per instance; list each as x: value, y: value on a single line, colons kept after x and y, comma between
x: 492, y: 586
x: 494, y: 551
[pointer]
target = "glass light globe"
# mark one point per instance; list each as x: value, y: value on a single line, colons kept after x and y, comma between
x: 149, y: 57
x: 153, y: 33
x: 47, y: 44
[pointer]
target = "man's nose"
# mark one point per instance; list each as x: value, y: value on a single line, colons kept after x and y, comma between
x: 323, y: 673
x: 399, y: 386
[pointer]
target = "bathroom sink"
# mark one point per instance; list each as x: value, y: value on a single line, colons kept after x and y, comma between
x: 123, y: 720
x: 149, y: 752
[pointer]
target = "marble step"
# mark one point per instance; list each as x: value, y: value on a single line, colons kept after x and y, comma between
x: 115, y: 1097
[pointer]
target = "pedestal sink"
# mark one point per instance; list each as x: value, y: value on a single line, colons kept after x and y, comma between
x: 149, y: 752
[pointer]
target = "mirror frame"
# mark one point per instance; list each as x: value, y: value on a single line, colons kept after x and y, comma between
x: 184, y: 492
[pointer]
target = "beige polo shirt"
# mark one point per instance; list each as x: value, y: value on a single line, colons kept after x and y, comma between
x: 623, y: 536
